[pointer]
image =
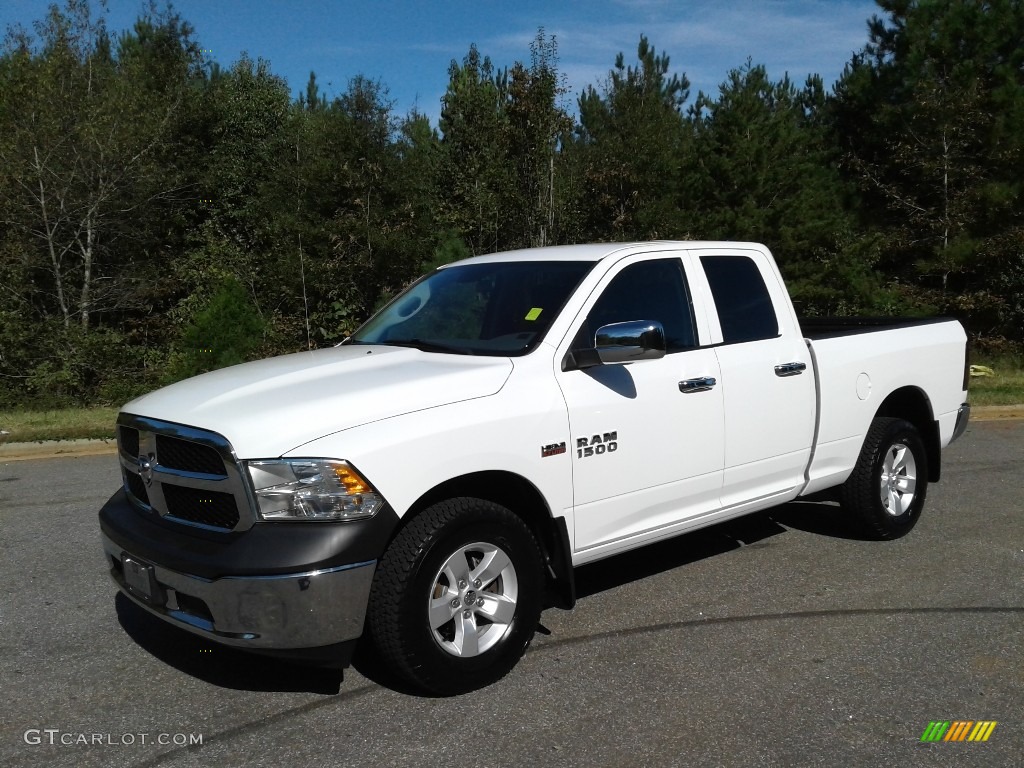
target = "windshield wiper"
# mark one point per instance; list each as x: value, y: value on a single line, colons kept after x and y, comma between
x: 425, y: 346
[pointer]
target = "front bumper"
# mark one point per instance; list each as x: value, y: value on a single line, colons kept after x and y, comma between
x: 275, y: 587
x: 283, y: 611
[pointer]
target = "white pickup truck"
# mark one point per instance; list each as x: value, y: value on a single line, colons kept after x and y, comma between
x: 430, y: 484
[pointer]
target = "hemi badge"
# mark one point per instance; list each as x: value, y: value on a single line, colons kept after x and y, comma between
x: 552, y: 450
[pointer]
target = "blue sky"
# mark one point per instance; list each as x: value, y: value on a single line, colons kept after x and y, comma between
x: 408, y: 44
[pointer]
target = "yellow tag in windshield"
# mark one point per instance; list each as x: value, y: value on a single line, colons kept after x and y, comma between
x: 534, y: 313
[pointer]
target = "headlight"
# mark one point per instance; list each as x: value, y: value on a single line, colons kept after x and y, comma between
x: 311, y: 489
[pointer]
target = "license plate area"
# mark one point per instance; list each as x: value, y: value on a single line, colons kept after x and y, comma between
x: 140, y: 579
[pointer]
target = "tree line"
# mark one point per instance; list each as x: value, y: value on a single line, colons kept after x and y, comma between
x: 161, y: 215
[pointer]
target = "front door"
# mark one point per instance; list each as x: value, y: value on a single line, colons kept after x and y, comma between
x: 647, y: 437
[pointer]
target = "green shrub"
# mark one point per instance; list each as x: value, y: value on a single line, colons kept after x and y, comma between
x: 225, y: 332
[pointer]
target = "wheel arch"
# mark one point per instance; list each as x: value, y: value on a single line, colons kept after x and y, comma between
x: 522, y: 498
x: 912, y: 403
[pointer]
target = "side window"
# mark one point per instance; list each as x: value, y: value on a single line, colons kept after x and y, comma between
x: 745, y: 308
x: 648, y: 290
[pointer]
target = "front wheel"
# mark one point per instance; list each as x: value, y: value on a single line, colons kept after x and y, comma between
x: 887, y: 488
x: 457, y: 596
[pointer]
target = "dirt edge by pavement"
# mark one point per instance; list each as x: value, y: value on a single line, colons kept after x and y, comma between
x: 996, y: 412
x: 52, y: 449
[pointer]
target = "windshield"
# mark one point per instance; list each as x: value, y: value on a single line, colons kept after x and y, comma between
x: 494, y: 308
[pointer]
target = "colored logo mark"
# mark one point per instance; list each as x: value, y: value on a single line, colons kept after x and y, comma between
x: 958, y: 730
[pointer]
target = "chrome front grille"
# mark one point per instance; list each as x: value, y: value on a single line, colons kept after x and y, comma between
x: 128, y: 440
x: 136, y: 486
x: 210, y: 508
x: 185, y: 475
x: 188, y: 456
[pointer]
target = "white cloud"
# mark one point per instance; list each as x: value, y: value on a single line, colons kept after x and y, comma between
x: 703, y: 38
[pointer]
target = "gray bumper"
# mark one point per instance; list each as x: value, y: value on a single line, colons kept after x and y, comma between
x: 287, y: 611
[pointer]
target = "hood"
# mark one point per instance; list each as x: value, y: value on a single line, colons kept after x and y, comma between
x: 268, y: 407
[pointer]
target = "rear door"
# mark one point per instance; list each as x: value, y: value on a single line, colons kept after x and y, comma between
x: 647, y: 452
x: 767, y: 376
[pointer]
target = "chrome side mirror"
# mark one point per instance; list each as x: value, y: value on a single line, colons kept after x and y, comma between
x: 630, y: 342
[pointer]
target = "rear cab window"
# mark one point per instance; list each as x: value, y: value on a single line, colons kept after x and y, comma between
x: 745, y: 308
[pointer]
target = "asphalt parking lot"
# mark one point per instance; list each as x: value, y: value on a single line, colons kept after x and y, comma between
x: 780, y: 639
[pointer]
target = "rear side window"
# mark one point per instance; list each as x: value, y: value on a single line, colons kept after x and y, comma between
x: 745, y: 308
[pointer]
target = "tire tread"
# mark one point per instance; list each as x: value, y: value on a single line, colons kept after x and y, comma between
x: 391, y: 594
x: 859, y: 494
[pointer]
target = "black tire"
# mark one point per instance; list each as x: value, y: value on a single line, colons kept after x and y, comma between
x: 887, y: 489
x: 406, y: 617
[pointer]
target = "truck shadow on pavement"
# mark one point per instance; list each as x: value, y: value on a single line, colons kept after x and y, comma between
x: 220, y: 665
x: 816, y: 517
x: 229, y: 668
x: 819, y: 515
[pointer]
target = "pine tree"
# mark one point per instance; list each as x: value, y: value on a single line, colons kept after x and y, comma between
x: 474, y: 181
x: 931, y: 115
x: 627, y: 151
x: 762, y: 169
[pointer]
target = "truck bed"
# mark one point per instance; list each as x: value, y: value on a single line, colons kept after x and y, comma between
x: 816, y: 328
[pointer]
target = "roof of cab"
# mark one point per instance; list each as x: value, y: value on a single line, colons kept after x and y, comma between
x: 598, y: 251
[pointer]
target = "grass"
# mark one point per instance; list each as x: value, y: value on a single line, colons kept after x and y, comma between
x: 65, y: 424
x: 1005, y: 387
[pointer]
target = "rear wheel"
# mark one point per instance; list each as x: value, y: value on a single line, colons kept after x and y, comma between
x: 457, y: 596
x: 887, y: 489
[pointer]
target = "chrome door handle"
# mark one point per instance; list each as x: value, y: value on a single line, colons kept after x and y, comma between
x: 790, y: 369
x: 703, y: 384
